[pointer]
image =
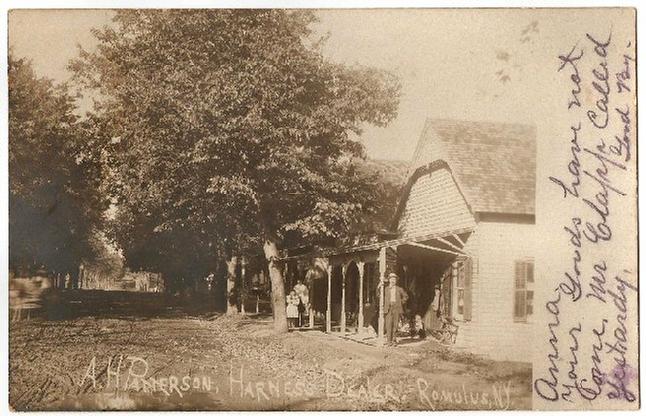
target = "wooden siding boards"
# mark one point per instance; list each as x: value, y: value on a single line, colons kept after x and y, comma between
x: 434, y: 204
x: 492, y: 330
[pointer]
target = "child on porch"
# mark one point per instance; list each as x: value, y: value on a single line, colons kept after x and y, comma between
x: 292, y: 308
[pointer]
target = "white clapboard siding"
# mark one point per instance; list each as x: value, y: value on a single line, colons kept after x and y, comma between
x: 492, y: 331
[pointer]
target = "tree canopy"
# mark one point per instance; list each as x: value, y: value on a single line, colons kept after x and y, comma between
x: 228, y: 130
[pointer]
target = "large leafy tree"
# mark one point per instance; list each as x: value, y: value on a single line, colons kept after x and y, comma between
x: 55, y: 203
x: 231, y: 124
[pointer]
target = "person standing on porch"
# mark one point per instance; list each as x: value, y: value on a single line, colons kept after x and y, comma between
x: 435, y: 316
x: 303, y: 307
x: 395, y: 298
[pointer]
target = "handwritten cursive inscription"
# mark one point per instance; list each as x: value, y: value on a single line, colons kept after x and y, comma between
x: 588, y: 357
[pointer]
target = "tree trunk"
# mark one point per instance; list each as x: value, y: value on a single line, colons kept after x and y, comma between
x: 277, y: 287
x: 232, y: 308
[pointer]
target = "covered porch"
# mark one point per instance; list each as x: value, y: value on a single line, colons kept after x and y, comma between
x: 346, y: 297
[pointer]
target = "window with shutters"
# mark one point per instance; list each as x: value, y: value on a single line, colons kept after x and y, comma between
x: 446, y: 288
x: 461, y: 275
x: 523, y: 290
x: 458, y: 274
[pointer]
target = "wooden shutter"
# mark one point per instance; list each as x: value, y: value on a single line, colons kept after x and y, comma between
x: 468, y: 288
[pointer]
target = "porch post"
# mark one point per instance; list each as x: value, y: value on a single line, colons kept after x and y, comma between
x: 310, y: 290
x: 360, y: 265
x: 243, y: 276
x: 382, y: 281
x: 344, y: 270
x: 81, y: 275
x: 328, y: 310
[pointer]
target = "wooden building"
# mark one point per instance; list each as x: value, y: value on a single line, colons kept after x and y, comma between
x: 465, y: 223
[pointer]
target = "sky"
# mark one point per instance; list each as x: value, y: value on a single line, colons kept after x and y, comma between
x: 459, y: 64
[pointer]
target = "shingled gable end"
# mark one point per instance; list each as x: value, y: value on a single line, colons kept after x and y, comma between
x: 479, y: 175
x: 492, y: 165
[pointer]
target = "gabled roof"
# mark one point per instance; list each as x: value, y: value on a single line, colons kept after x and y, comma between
x: 494, y: 164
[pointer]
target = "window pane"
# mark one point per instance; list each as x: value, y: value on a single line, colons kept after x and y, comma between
x: 520, y: 275
x: 519, y: 304
x: 460, y: 301
x: 530, y: 302
x: 460, y: 280
x: 530, y: 271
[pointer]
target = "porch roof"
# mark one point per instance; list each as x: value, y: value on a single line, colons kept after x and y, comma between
x: 387, y: 243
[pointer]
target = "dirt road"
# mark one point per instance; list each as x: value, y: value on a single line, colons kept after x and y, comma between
x: 169, y: 359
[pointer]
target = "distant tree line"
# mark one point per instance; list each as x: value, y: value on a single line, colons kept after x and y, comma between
x: 55, y: 177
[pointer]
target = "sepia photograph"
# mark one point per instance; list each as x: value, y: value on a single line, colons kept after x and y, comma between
x: 322, y: 209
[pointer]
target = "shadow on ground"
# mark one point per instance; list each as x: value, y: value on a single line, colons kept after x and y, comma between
x: 74, y: 304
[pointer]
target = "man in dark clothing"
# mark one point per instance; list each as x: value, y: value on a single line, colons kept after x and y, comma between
x: 394, y: 299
